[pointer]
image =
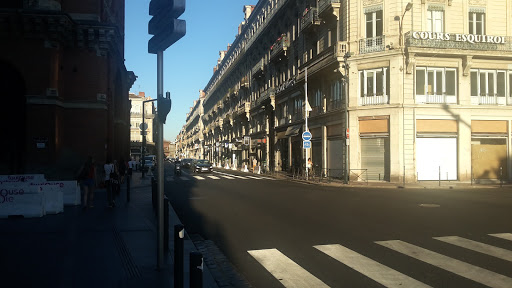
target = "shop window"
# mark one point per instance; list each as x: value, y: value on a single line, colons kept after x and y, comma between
x: 374, y: 86
x: 436, y: 85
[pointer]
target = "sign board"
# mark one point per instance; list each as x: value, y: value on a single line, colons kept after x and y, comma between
x: 143, y: 133
x: 306, y: 144
x: 306, y: 136
x: 143, y: 126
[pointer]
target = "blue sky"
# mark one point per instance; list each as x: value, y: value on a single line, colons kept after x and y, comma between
x: 189, y: 63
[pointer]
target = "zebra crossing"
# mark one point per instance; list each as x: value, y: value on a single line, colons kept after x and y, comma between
x: 217, y: 176
x: 290, y: 274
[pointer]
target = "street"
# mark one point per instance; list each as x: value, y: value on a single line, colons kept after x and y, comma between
x: 280, y: 233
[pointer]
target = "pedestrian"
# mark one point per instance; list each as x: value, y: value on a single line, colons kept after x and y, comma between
x: 309, y: 166
x: 254, y: 163
x: 131, y: 166
x: 115, y: 182
x: 109, y: 170
x: 87, y: 177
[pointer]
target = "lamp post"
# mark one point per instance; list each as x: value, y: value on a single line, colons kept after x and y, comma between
x: 401, y: 23
x: 402, y: 50
x: 346, y: 66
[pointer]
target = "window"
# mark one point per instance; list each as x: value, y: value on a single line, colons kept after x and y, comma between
x: 435, y: 16
x: 436, y: 85
x: 374, y: 86
x: 297, y: 105
x: 488, y: 83
x: 477, y: 23
x: 373, y: 23
x: 317, y: 99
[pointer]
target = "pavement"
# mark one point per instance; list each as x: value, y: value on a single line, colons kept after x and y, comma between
x: 95, y: 247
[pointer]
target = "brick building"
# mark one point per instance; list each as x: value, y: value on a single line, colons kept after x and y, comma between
x: 64, y: 83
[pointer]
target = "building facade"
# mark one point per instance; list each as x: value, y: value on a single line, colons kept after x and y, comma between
x: 142, y: 114
x: 399, y: 91
x: 65, y: 85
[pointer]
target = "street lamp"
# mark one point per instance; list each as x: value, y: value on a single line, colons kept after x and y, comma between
x: 401, y: 23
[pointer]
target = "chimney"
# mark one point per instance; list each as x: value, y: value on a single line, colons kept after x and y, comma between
x: 247, y: 11
x: 142, y: 94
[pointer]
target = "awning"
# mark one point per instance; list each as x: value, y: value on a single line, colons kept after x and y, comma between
x: 293, y: 130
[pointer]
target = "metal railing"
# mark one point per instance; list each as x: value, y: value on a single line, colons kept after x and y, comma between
x: 334, y: 105
x: 310, y: 18
x: 324, y: 4
x: 373, y: 100
x: 370, y: 45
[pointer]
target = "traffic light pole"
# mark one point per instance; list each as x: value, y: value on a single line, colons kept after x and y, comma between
x: 160, y: 160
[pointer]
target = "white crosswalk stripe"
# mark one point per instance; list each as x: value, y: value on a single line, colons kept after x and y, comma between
x: 252, y: 177
x: 460, y: 268
x: 290, y: 274
x: 213, y: 177
x: 239, y: 177
x: 478, y: 247
x: 506, y: 236
x: 285, y: 270
x: 227, y: 177
x: 370, y: 268
x: 199, y: 177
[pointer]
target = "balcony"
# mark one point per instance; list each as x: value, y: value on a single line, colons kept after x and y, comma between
x: 324, y: 5
x: 370, y: 45
x: 458, y: 41
x: 265, y: 95
x: 373, y: 100
x: 259, y: 69
x: 436, y: 99
x: 315, y: 111
x: 244, y: 82
x: 279, y: 48
x: 282, y: 121
x: 298, y: 116
x: 489, y: 100
x: 309, y: 19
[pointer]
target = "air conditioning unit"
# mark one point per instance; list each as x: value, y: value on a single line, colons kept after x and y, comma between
x: 52, y: 92
x: 101, y: 97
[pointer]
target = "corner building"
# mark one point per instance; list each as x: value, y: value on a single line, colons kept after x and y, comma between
x: 406, y: 91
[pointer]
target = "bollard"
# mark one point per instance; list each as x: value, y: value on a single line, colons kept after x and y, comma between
x: 179, y: 235
x: 153, y: 192
x: 128, y: 179
x: 196, y: 270
x: 166, y: 224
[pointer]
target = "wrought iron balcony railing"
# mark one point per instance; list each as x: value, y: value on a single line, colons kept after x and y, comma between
x: 323, y: 5
x: 458, y: 41
x: 436, y: 99
x: 280, y: 46
x: 489, y: 100
x: 370, y: 45
x: 334, y: 105
x: 258, y: 69
x: 309, y: 18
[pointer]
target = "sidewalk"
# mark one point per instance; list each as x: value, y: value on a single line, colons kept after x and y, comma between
x: 97, y: 247
x: 382, y: 184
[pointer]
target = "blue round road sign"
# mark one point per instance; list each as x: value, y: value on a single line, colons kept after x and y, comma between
x: 306, y: 136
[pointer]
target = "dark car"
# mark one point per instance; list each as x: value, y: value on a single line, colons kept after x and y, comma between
x: 202, y: 165
x: 187, y: 162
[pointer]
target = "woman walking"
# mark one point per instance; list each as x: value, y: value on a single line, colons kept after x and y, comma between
x: 87, y: 182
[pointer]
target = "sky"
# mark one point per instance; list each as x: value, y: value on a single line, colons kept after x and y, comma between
x: 188, y: 63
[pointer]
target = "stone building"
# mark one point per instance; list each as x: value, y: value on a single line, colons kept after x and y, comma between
x: 399, y: 91
x: 64, y: 83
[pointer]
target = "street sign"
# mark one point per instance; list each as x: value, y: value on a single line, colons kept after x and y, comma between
x: 143, y: 126
x: 143, y: 133
x: 306, y: 144
x: 306, y: 136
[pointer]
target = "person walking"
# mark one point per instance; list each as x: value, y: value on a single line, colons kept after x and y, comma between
x: 87, y: 181
x: 109, y: 169
x: 122, y: 170
x: 309, y: 167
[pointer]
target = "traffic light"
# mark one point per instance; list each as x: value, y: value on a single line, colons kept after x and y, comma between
x: 165, y: 25
x: 164, y: 107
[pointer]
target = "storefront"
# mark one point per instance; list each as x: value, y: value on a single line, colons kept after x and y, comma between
x: 489, y: 150
x: 375, y: 155
x: 436, y: 149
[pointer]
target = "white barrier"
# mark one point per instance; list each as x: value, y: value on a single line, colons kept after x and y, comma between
x: 21, y: 199
x: 53, y: 199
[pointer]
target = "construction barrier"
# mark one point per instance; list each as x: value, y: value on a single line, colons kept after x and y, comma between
x: 21, y: 199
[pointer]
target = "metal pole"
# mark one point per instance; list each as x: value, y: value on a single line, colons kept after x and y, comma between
x: 306, y: 112
x: 143, y: 152
x: 345, y: 81
x: 160, y: 162
x: 179, y: 235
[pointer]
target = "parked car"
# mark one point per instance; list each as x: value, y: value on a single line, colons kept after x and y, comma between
x: 149, y: 164
x: 202, y: 165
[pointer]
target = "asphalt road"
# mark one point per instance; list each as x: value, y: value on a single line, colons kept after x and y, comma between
x: 280, y: 233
